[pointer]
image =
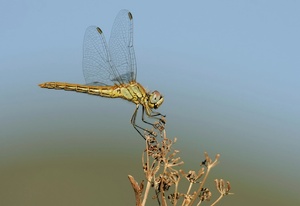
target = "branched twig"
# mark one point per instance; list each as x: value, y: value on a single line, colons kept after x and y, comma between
x: 224, y: 190
x: 160, y: 165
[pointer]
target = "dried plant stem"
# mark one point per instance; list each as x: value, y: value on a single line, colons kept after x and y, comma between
x: 201, y: 187
x: 199, y: 202
x: 202, y: 183
x: 148, y: 176
x: 176, y: 194
x: 196, y: 194
x: 189, y: 189
x: 210, y: 164
x: 146, y: 193
x: 215, y: 202
x: 137, y: 190
x: 162, y: 193
x: 160, y: 164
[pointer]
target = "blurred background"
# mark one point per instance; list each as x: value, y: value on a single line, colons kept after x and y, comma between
x: 229, y: 71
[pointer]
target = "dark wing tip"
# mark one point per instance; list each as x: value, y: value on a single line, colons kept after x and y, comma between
x: 99, y: 30
x: 130, y: 15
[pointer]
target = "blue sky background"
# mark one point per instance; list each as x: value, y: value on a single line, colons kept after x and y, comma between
x: 229, y: 71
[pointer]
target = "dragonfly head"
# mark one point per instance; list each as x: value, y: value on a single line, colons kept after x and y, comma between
x: 155, y: 100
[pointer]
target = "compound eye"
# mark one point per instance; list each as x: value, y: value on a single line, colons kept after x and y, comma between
x: 154, y: 97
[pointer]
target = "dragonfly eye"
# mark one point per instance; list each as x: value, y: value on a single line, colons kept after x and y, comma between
x: 155, y: 100
x: 155, y: 97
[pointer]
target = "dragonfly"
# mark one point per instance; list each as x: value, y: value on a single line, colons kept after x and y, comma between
x: 110, y: 70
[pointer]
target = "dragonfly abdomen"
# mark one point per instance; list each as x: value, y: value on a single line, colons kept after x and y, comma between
x: 131, y: 92
x: 103, y: 91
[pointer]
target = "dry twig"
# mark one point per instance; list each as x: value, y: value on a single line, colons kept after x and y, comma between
x: 161, y: 169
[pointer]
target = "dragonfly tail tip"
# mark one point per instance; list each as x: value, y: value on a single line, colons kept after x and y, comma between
x: 42, y: 85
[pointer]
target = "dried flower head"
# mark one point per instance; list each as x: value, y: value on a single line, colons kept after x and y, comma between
x: 161, y: 167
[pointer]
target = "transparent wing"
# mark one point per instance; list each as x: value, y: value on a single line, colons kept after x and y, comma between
x: 121, y: 47
x: 98, y: 68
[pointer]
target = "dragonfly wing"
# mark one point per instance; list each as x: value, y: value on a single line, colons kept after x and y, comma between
x: 121, y: 47
x: 98, y: 68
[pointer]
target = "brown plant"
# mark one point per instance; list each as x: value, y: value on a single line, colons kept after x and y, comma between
x: 162, y: 173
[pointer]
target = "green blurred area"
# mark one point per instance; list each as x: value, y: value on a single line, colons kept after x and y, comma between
x: 93, y: 171
x: 72, y: 180
x: 51, y: 154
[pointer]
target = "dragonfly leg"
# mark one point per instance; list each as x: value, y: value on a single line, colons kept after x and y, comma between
x: 136, y: 127
x: 153, y: 115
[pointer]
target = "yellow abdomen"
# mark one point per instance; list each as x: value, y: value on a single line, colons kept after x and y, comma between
x: 132, y: 92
